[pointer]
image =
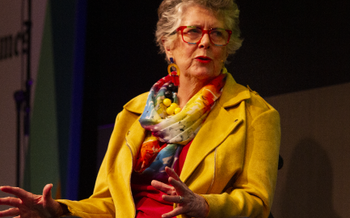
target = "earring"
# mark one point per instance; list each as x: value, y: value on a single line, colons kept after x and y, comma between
x: 174, y: 72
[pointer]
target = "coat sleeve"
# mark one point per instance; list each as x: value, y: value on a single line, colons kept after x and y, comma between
x: 100, y: 203
x: 110, y: 185
x: 251, y: 192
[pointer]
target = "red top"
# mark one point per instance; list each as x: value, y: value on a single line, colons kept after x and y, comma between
x: 148, y: 200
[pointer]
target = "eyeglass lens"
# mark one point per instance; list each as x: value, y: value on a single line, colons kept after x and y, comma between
x: 217, y: 36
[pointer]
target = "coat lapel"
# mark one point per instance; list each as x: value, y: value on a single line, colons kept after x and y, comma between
x: 218, y: 125
x: 135, y: 136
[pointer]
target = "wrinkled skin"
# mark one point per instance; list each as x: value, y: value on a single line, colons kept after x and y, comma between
x: 192, y: 205
x: 28, y: 205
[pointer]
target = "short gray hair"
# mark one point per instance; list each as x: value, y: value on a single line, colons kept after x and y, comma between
x: 170, y: 15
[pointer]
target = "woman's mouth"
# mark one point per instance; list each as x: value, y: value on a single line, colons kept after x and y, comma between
x: 203, y: 59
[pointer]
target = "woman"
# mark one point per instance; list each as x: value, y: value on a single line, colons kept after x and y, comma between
x: 198, y: 144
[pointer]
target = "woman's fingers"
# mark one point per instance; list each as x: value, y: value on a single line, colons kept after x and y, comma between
x: 172, y: 173
x: 175, y: 181
x: 175, y: 199
x: 27, y: 203
x: 20, y: 193
x: 10, y: 212
x: 180, y: 187
x: 175, y: 189
x: 163, y: 187
x: 177, y: 192
x: 47, y: 192
x: 173, y: 213
x: 188, y: 202
x: 10, y: 201
x: 192, y: 206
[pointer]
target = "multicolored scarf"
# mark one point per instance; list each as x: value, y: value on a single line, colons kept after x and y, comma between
x: 167, y: 134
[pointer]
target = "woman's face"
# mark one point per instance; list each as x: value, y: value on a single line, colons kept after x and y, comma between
x: 202, y: 61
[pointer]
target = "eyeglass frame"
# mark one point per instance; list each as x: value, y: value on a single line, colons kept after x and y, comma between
x: 208, y: 31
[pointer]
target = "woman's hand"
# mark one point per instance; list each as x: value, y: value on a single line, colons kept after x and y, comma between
x: 30, y: 205
x: 189, y: 203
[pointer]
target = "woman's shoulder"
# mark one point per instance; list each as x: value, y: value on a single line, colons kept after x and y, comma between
x: 257, y: 106
x: 234, y: 93
x: 254, y: 103
x: 257, y: 101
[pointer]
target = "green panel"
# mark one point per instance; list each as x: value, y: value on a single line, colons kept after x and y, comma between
x: 42, y: 163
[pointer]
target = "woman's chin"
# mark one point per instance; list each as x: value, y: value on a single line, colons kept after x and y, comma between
x: 204, y: 74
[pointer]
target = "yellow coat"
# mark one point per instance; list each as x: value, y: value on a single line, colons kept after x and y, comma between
x: 232, y: 161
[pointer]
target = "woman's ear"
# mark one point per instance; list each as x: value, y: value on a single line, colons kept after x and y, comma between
x: 167, y: 49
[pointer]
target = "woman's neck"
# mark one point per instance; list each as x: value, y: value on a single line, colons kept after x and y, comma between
x: 188, y: 88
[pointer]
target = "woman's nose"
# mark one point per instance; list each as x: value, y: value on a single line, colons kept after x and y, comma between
x: 205, y: 41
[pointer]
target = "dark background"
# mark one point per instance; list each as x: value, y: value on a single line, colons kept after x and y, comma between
x: 288, y: 46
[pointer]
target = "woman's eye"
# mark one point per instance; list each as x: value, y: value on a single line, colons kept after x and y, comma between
x: 216, y: 33
x: 193, y: 31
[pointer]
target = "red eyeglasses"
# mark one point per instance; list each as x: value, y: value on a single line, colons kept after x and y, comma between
x: 194, y: 34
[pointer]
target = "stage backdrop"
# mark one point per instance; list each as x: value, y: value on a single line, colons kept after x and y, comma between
x: 55, y: 135
x: 290, y: 46
x: 12, y: 76
x: 51, y: 153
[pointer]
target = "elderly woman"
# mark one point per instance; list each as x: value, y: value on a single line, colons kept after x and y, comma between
x: 197, y: 145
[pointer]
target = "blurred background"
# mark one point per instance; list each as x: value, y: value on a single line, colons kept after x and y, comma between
x: 88, y: 58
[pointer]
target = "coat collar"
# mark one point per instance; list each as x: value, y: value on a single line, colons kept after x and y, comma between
x: 137, y: 104
x: 218, y: 125
x: 233, y: 93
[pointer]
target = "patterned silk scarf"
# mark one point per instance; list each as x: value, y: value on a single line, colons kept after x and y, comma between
x: 167, y: 135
